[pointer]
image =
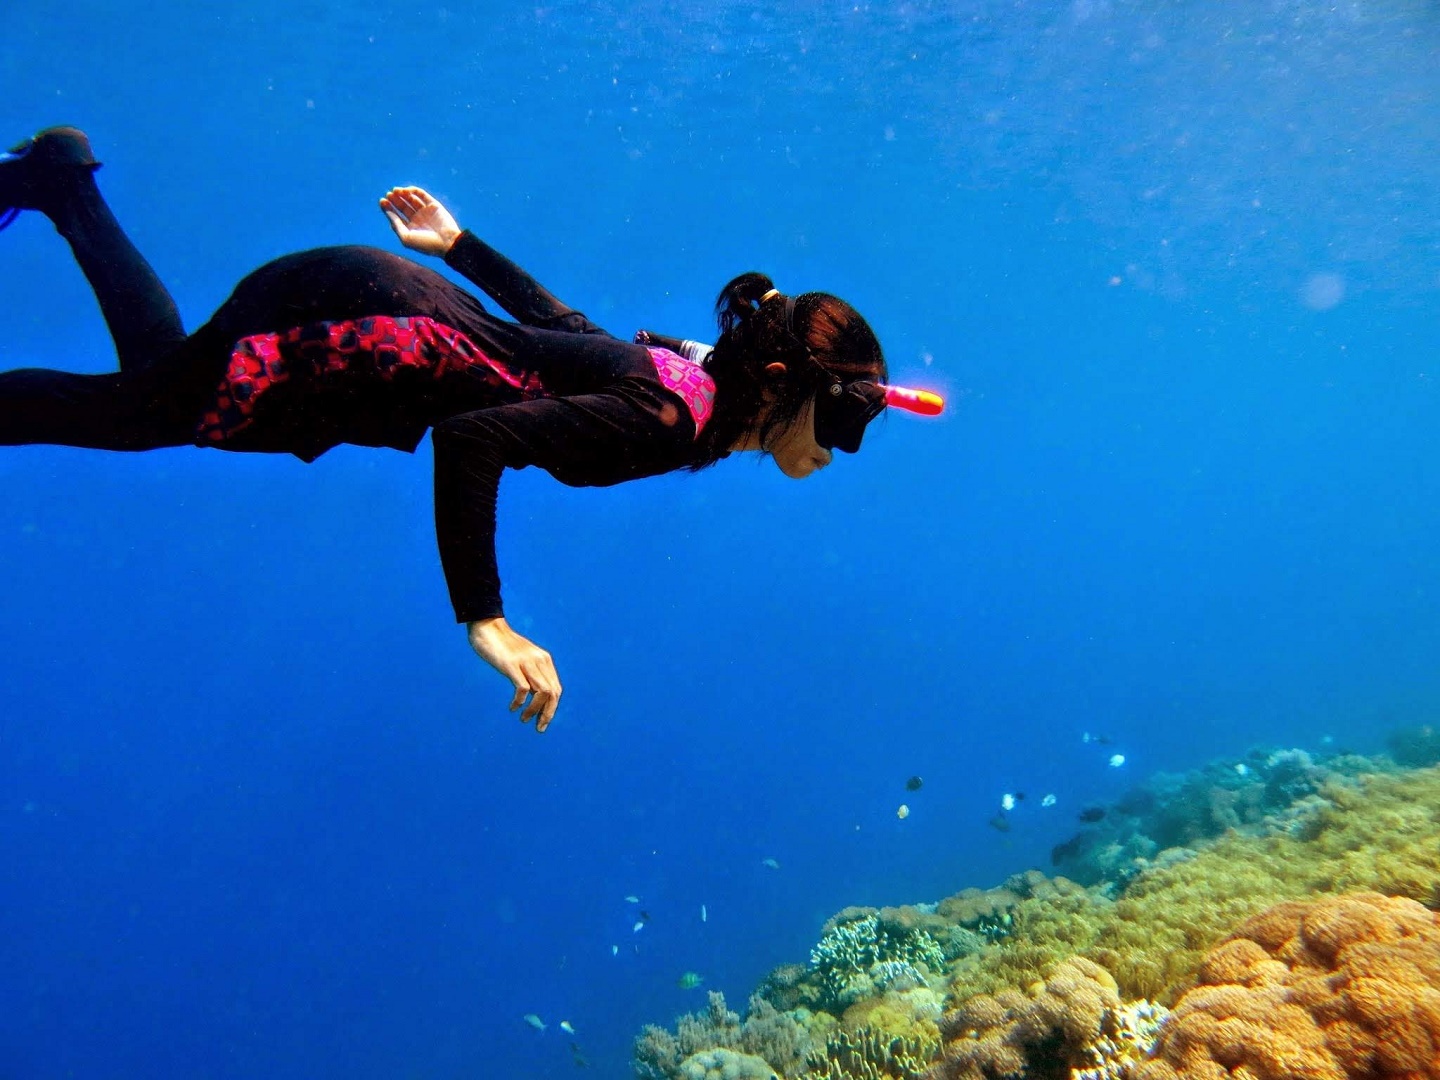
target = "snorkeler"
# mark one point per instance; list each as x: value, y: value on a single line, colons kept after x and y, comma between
x: 356, y: 345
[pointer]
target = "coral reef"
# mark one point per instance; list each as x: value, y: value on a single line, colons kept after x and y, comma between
x: 870, y: 1054
x: 725, y: 1065
x: 783, y: 1040
x: 1278, y: 827
x: 1375, y: 833
x: 1345, y: 986
x: 854, y: 953
x: 1415, y: 747
x: 1044, y: 1035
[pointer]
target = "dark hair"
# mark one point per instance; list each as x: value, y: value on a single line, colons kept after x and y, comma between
x: 826, y: 339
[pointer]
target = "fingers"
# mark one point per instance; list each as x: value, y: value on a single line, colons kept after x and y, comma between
x: 540, y: 683
x: 407, y: 201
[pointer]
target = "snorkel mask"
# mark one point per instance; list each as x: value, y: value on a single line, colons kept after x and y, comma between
x: 842, y: 410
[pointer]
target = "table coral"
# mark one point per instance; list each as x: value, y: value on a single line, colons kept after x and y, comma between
x: 1340, y: 987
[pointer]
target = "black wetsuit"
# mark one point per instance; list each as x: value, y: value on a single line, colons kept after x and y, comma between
x: 303, y: 357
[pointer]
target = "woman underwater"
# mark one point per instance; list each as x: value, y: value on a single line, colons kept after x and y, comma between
x: 355, y: 345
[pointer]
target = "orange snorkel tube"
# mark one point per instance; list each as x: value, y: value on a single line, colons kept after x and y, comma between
x: 924, y: 402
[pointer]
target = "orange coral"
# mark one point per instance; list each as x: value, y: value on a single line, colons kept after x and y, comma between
x: 1043, y: 1036
x: 1341, y: 988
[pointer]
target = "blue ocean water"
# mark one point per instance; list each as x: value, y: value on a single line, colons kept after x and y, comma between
x: 1175, y: 266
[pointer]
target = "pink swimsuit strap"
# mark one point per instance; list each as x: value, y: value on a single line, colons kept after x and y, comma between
x: 687, y: 379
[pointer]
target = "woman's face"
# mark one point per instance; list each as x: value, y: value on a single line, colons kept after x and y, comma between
x: 794, y: 448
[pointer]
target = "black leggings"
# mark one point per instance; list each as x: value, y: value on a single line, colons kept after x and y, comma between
x: 167, y: 378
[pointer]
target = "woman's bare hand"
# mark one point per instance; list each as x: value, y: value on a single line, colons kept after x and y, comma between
x: 524, y: 663
x: 419, y: 220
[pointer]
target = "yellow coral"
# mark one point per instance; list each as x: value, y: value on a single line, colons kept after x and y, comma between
x: 1377, y: 833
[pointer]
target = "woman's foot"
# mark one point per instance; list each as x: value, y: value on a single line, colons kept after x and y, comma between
x: 37, y: 167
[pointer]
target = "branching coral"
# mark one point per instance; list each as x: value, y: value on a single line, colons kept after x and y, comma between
x: 851, y: 954
x: 1345, y: 986
x: 870, y: 1054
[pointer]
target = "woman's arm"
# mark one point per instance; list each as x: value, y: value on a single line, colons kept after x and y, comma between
x: 424, y: 225
x: 634, y: 429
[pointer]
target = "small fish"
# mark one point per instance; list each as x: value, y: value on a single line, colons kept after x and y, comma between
x: 565, y: 1027
x: 903, y: 812
x: 1048, y: 800
x: 614, y: 950
x: 644, y: 916
x: 1092, y: 814
x: 1116, y: 760
x: 689, y: 980
x: 1007, y: 801
x: 773, y: 864
x: 1241, y: 769
x: 704, y: 915
x: 1019, y: 796
x: 534, y: 1021
x: 640, y: 925
x: 1000, y: 823
x: 915, y: 783
x: 632, y: 899
x: 1103, y: 740
x: 578, y: 1057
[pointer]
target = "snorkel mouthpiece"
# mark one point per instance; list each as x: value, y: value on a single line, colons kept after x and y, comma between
x: 924, y: 402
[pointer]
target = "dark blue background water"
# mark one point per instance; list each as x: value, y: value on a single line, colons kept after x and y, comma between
x: 1176, y: 266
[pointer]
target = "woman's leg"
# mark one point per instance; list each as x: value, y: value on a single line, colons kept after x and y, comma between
x: 118, y: 411
x: 54, y: 173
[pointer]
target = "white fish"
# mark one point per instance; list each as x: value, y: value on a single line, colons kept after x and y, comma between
x: 1007, y: 801
x: 534, y: 1021
x: 614, y: 950
x: 903, y: 812
x: 639, y: 926
x: 704, y: 915
x: 565, y: 1027
x: 773, y: 864
x: 1116, y: 760
x: 1048, y: 800
x: 1241, y: 769
x: 632, y: 899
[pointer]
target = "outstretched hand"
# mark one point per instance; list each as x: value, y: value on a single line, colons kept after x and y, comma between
x: 419, y: 220
x: 524, y: 663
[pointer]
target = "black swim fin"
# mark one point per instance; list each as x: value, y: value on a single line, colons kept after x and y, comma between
x: 26, y: 170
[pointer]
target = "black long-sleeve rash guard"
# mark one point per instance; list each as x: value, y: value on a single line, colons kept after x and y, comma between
x: 608, y: 418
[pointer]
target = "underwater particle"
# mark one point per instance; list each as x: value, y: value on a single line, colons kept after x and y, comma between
x: 566, y: 1027
x: 534, y: 1021
x: 1092, y: 814
x: 1116, y: 760
x: 614, y: 950
x: 773, y: 864
x: 903, y: 812
x: 1103, y: 740
x: 1323, y: 291
x: 632, y: 899
x: 639, y: 925
x: 1048, y: 800
x: 1000, y: 823
x: 915, y: 783
x: 689, y: 981
x: 704, y: 915
x: 1007, y: 801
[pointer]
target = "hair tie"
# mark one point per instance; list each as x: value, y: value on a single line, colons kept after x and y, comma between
x: 768, y: 295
